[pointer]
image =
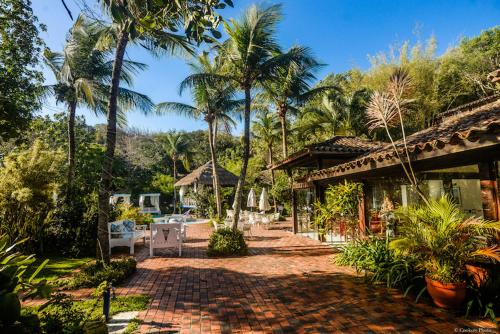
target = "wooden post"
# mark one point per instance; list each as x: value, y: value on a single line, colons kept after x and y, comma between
x: 362, y: 213
x: 489, y: 189
x: 294, y: 212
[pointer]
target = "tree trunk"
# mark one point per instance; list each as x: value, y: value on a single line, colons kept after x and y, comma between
x: 71, y: 144
x: 216, y: 129
x: 107, y: 167
x: 216, y: 183
x: 284, y: 131
x: 174, y: 159
x: 272, y: 176
x: 246, y: 156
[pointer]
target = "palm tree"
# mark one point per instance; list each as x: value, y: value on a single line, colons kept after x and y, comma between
x: 214, y: 104
x: 326, y: 118
x: 83, y: 75
x: 252, y: 56
x: 158, y: 36
x: 176, y: 145
x: 266, y: 129
x: 290, y: 88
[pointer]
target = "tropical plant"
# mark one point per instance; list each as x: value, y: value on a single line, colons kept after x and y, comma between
x: 214, y: 103
x: 226, y: 241
x: 83, y: 74
x: 176, y: 145
x: 443, y: 239
x: 29, y: 182
x: 387, y: 109
x: 341, y: 206
x: 20, y: 76
x: 290, y: 87
x: 266, y: 130
x: 13, y: 284
x: 155, y: 27
x: 128, y: 211
x: 382, y: 264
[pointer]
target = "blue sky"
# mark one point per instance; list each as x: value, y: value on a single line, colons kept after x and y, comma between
x: 341, y: 34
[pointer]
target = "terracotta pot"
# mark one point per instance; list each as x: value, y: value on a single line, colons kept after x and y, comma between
x: 477, y: 273
x: 446, y: 295
x: 376, y: 226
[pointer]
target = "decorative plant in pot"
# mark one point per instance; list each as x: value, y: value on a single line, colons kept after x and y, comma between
x: 444, y: 241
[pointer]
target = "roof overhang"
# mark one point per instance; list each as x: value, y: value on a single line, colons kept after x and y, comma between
x: 311, y: 159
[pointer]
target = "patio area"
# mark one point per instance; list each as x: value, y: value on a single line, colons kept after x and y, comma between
x: 287, y: 284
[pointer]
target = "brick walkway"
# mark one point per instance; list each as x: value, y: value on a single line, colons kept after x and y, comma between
x: 287, y: 284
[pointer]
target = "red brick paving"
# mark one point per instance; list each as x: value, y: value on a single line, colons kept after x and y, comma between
x: 287, y: 284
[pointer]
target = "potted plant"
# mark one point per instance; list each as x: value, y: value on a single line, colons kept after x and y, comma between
x: 444, y: 241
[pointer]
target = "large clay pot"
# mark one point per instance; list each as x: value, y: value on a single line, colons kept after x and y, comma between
x: 376, y: 226
x: 446, y: 295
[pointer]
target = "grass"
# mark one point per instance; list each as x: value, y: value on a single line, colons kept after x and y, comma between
x: 118, y: 305
x: 132, y: 326
x: 57, y: 267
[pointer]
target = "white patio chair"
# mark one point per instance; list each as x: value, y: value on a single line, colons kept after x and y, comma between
x: 179, y: 219
x: 165, y: 236
x: 125, y: 233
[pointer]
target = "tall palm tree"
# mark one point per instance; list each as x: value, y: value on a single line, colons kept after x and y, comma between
x: 176, y: 145
x: 214, y: 104
x: 83, y: 74
x: 266, y: 129
x: 153, y: 26
x: 252, y: 56
x: 291, y: 87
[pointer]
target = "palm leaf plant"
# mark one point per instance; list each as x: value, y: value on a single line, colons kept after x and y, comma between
x: 177, y: 147
x: 290, y: 87
x: 444, y: 240
x: 167, y: 28
x: 266, y: 129
x: 214, y: 103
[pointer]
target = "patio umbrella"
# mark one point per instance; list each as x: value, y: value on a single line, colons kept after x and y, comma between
x: 251, y: 201
x: 264, y: 201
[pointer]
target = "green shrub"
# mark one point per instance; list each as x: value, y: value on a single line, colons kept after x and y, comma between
x: 226, y: 241
x: 93, y: 274
x: 65, y: 316
x: 382, y: 264
x: 128, y: 211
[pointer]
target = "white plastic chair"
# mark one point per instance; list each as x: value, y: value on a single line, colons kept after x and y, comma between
x: 125, y: 233
x: 179, y: 219
x: 165, y: 236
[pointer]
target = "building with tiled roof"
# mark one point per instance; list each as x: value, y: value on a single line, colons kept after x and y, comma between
x: 459, y: 156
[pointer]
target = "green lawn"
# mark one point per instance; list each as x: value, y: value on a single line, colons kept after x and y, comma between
x: 119, y: 304
x: 57, y: 267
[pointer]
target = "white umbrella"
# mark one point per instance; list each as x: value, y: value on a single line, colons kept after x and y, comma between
x: 264, y: 201
x: 251, y: 201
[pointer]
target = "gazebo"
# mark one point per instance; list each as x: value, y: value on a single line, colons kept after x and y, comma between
x: 203, y: 175
x: 115, y: 199
x: 153, y: 207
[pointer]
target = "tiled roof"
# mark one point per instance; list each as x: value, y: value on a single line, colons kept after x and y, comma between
x: 341, y: 145
x: 451, y: 130
x: 203, y: 175
x: 345, y: 144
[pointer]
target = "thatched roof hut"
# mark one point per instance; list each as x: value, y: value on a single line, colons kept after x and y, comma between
x: 203, y: 176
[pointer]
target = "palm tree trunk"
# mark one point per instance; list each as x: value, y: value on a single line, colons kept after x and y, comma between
x: 272, y: 176
x: 246, y: 156
x: 216, y: 129
x: 107, y: 167
x: 284, y: 131
x: 174, y: 159
x: 71, y: 143
x: 214, y: 168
